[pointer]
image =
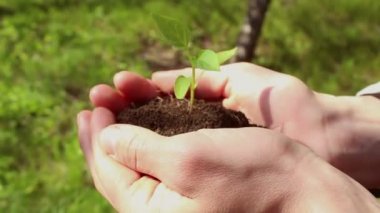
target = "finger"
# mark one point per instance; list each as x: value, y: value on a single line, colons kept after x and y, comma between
x: 84, y: 134
x: 101, y: 118
x: 210, y: 85
x: 105, y: 96
x: 114, y: 178
x: 138, y: 148
x: 134, y: 87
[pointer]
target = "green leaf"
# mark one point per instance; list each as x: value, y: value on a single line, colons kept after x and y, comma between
x: 182, y: 85
x: 226, y: 55
x: 208, y: 60
x: 172, y: 31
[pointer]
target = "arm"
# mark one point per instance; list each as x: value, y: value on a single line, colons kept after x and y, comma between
x: 354, y: 136
x: 329, y: 190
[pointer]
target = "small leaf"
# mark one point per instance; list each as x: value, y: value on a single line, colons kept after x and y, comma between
x: 226, y: 55
x: 208, y: 60
x: 172, y: 31
x: 182, y: 85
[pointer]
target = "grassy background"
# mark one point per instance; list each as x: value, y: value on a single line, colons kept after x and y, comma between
x: 53, y: 51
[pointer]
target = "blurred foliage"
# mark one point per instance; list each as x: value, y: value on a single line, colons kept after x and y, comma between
x: 53, y: 51
x: 332, y: 45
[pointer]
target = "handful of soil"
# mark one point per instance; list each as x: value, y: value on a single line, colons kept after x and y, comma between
x: 168, y: 116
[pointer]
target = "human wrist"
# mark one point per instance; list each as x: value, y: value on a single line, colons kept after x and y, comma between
x: 353, y: 114
x: 322, y: 188
x: 307, y: 184
x: 353, y: 130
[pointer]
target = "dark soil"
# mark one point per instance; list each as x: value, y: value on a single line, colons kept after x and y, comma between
x: 168, y: 116
x: 375, y: 192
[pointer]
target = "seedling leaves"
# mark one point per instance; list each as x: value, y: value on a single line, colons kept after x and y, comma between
x: 172, y: 31
x: 208, y: 60
x: 182, y: 85
x: 226, y: 55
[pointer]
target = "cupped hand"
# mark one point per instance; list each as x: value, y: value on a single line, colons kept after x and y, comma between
x: 126, y: 189
x: 267, y: 98
x: 342, y: 130
x: 221, y: 170
x: 278, y: 101
x: 213, y: 170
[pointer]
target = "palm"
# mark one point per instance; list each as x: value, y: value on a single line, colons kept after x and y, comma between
x: 150, y: 195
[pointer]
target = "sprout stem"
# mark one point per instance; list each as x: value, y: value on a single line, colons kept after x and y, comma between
x: 193, y: 79
x: 192, y: 87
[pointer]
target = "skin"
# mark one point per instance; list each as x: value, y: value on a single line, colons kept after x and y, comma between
x: 138, y: 170
x: 344, y: 131
x: 219, y: 170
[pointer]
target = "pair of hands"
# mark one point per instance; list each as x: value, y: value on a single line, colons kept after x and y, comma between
x: 248, y: 169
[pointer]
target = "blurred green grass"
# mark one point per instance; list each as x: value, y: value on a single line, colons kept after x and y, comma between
x: 53, y: 51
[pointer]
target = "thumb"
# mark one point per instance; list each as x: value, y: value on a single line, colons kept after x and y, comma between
x: 135, y: 147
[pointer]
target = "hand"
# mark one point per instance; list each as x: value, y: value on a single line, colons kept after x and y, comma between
x: 126, y: 190
x: 271, y: 99
x: 220, y: 170
x: 336, y: 128
x: 267, y: 98
x: 342, y: 130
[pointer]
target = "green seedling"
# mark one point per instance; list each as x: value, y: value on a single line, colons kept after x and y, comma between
x: 179, y: 36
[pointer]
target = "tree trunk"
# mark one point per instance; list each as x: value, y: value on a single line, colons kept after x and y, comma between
x: 251, y: 29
